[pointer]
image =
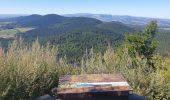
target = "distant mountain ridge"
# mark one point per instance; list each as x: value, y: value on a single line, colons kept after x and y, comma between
x: 4, y: 16
x: 53, y: 24
x: 39, y: 20
x: 126, y: 19
x: 130, y: 20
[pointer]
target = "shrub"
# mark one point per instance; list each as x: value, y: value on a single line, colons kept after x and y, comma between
x: 27, y: 72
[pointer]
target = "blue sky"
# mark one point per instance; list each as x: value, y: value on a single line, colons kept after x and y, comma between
x: 146, y: 8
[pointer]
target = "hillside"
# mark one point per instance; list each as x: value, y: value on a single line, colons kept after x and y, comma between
x: 72, y: 34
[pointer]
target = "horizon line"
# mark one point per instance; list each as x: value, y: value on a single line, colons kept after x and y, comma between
x: 86, y: 13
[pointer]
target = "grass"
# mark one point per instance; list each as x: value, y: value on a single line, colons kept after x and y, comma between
x: 28, y: 72
x: 10, y: 33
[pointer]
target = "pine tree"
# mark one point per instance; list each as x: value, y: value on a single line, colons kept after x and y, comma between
x: 143, y: 44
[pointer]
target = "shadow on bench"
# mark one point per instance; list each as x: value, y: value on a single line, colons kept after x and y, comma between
x: 99, y: 97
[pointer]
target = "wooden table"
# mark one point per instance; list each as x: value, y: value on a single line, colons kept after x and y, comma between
x: 92, y: 85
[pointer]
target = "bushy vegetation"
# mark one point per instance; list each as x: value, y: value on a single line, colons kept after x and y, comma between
x: 30, y: 72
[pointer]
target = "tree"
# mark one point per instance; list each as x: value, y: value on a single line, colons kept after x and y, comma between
x: 143, y: 44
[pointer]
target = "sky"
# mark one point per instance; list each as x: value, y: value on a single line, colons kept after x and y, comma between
x: 143, y: 8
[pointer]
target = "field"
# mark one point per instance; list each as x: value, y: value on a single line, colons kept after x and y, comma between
x: 10, y: 33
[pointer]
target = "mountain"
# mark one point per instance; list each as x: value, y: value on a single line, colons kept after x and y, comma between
x: 130, y: 20
x: 39, y: 20
x: 54, y: 24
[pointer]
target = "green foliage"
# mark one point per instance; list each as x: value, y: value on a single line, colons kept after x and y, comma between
x: 143, y: 43
x: 71, y: 43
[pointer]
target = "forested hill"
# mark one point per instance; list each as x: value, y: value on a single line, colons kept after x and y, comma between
x: 73, y: 34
